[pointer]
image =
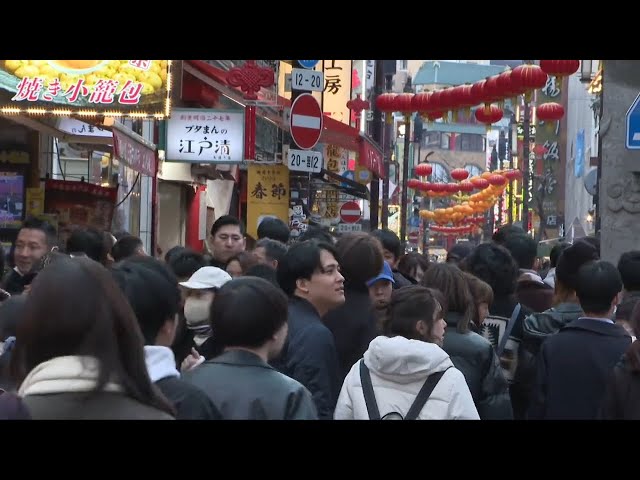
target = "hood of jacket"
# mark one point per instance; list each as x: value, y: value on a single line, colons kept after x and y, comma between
x: 160, y: 361
x: 405, y: 361
x: 540, y: 325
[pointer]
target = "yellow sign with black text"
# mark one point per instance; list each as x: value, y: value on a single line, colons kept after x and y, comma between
x: 267, y: 195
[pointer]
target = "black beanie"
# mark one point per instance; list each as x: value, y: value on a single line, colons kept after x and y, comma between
x: 570, y: 261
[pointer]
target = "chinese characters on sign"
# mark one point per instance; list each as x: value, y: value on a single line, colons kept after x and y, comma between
x: 123, y: 86
x: 267, y: 194
x: 205, y: 136
x: 337, y: 89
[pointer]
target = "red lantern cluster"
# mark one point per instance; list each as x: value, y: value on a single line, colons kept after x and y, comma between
x: 424, y: 169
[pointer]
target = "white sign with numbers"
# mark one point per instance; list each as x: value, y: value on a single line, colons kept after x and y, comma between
x: 304, y: 161
x: 307, y: 80
x: 349, y: 227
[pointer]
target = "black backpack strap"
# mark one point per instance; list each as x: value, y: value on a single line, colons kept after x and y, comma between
x: 367, y: 390
x: 507, y: 330
x: 424, y: 394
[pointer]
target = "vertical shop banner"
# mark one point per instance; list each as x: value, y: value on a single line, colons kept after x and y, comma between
x: 267, y: 194
x: 548, y: 143
x: 79, y: 204
x: 338, y: 76
x: 35, y: 202
x: 140, y: 88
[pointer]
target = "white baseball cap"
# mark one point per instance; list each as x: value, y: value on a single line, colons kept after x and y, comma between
x: 207, y: 277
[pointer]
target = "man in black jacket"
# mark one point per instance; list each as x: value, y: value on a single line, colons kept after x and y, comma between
x: 392, y: 251
x: 574, y: 365
x: 152, y: 291
x: 310, y: 275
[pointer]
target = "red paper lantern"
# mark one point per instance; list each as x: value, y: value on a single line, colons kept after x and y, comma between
x: 413, y: 183
x: 506, y: 84
x: 403, y: 103
x: 438, y: 187
x: 452, y: 187
x: 466, y: 186
x: 424, y: 169
x: 459, y: 174
x: 560, y: 68
x: 550, y: 111
x: 420, y: 101
x: 527, y: 78
x: 434, y: 115
x: 488, y: 115
x: 478, y: 93
x: 497, y: 180
x: 385, y: 102
x: 493, y: 89
x: 512, y: 174
x: 480, y: 183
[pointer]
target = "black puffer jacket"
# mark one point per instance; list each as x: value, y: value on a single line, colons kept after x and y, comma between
x: 536, y: 328
x: 474, y: 356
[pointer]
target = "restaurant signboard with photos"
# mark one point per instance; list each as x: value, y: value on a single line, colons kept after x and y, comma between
x: 137, y: 88
x: 198, y: 135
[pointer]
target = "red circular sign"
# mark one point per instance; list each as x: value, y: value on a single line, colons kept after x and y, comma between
x: 350, y: 212
x: 305, y: 121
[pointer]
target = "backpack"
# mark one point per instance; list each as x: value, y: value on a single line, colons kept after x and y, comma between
x: 497, y: 330
x: 417, y: 405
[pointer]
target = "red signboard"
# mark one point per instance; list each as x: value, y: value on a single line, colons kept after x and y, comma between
x: 350, y: 212
x: 371, y: 158
x: 136, y: 155
x: 305, y: 122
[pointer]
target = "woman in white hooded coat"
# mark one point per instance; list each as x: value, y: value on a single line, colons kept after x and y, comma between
x: 400, y: 363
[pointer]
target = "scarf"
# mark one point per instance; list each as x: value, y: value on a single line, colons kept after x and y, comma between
x: 64, y: 375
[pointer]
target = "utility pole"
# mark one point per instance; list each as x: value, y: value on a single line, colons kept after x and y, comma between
x: 405, y: 172
x: 502, y: 152
x: 510, y: 141
x: 388, y: 70
x: 526, y: 174
x: 378, y: 135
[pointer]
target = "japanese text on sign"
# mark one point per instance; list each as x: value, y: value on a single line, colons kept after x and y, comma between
x: 103, y: 92
x: 205, y: 136
x: 304, y: 161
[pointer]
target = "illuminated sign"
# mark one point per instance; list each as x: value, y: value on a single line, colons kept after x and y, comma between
x: 133, y: 88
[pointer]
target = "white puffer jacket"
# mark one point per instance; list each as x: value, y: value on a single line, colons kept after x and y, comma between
x: 399, y: 368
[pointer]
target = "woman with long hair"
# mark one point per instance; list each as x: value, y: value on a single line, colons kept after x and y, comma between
x: 79, y: 350
x: 471, y: 353
x: 409, y: 360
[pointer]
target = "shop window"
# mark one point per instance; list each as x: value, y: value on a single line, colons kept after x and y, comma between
x: 431, y: 140
x: 440, y: 173
x: 474, y: 170
x: 445, y: 139
x: 470, y: 142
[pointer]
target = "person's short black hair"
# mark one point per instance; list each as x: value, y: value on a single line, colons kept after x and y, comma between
x: 361, y: 259
x: 316, y: 233
x: 302, y: 260
x: 557, y: 249
x: 459, y: 252
x: 33, y: 223
x: 389, y: 240
x: 523, y: 249
x: 595, y: 241
x: 571, y: 260
x: 500, y: 236
x: 225, y: 220
x: 173, y: 251
x: 494, y: 265
x: 152, y: 291
x: 629, y: 268
x: 597, y: 285
x: 121, y: 233
x: 274, y: 228
x: 273, y: 249
x: 186, y: 262
x: 125, y: 247
x: 247, y: 312
x: 88, y: 241
x: 266, y: 272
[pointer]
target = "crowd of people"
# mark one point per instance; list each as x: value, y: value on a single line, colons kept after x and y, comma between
x: 344, y: 327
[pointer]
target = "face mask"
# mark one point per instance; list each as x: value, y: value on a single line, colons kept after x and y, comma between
x: 196, y: 312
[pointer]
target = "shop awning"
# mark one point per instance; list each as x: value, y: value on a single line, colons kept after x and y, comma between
x: 129, y: 147
x: 334, y: 132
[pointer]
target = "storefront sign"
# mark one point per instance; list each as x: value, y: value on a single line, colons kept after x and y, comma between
x: 267, y: 195
x: 200, y: 135
x: 337, y: 89
x: 371, y: 158
x: 87, y: 87
x: 137, y: 156
x: 79, y: 204
x: 77, y: 127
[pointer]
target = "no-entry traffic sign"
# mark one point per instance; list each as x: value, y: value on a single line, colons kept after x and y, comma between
x: 305, y: 121
x: 350, y: 212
